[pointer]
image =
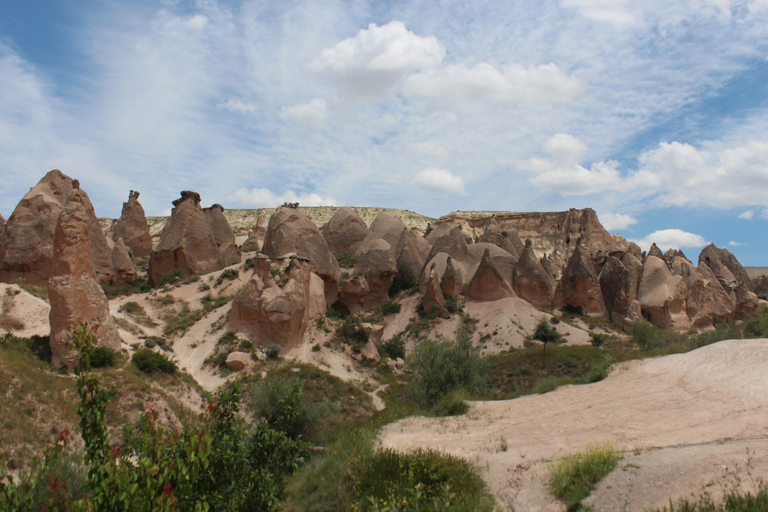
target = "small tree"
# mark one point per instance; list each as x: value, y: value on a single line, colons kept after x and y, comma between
x: 597, y: 340
x: 545, y: 333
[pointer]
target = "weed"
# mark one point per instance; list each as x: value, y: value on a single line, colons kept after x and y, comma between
x: 38, y: 291
x: 351, y: 331
x: 452, y: 404
x: 102, y: 357
x: 273, y: 351
x: 347, y: 260
x: 551, y: 384
x: 181, y: 320
x: 137, y: 313
x: 645, y: 335
x: 175, y: 275
x: 573, y: 476
x: 229, y: 274
x: 210, y: 302
x: 389, y: 308
x: 393, y: 348
x: 151, y: 362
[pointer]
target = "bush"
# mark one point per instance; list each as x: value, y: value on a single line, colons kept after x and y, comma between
x: 347, y: 260
x: 229, y: 274
x: 389, y: 308
x: 351, y: 331
x: 441, y: 367
x: 573, y: 476
x: 171, y: 277
x: 551, y: 384
x: 452, y: 404
x: 599, y: 370
x: 150, y: 362
x: 597, y: 340
x: 571, y: 311
x: 273, y: 351
x: 646, y: 335
x: 545, y: 333
x: 403, y: 280
x: 103, y: 356
x: 280, y: 403
x: 451, y: 304
x: 393, y: 348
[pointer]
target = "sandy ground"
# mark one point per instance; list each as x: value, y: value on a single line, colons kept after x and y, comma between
x: 21, y: 313
x: 699, y: 399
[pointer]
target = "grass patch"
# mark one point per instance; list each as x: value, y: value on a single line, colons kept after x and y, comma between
x: 38, y: 291
x: 573, y: 476
x: 733, y: 501
x: 389, y: 308
x: 181, y: 320
x: 137, y: 313
x: 211, y: 303
x: 403, y: 281
x: 230, y: 274
x: 347, y: 260
x: 139, y: 285
x: 151, y: 362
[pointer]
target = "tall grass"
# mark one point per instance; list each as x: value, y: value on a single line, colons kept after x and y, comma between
x: 573, y: 476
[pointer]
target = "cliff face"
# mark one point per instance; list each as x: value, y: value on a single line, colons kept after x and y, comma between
x: 550, y: 232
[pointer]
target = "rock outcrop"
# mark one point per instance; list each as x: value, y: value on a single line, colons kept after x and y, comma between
x: 662, y: 295
x: 619, y: 280
x: 187, y: 242
x: 291, y: 232
x: 223, y: 234
x: 580, y: 286
x: 530, y: 280
x: 133, y: 228
x: 726, y: 267
x: 73, y: 288
x: 368, y: 287
x: 123, y: 269
x: 344, y: 232
x: 269, y: 313
x: 26, y: 248
x: 433, y: 297
x: 256, y: 236
x: 487, y: 283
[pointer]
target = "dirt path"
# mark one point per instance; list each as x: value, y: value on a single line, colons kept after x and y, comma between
x: 704, y: 397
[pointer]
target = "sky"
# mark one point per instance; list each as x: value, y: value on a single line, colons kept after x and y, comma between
x: 653, y: 113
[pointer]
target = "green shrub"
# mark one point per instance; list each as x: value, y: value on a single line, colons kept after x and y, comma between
x: 103, y: 356
x: 551, y: 384
x: 280, y: 403
x: 733, y: 501
x: 413, y: 481
x: 545, y: 333
x: 441, y: 367
x: 174, y: 275
x: 393, y: 348
x: 451, y: 304
x: 452, y: 404
x: 150, y: 362
x: 389, y: 308
x: 757, y: 324
x: 211, y: 303
x: 229, y: 274
x: 573, y: 476
x: 273, y: 351
x: 404, y: 280
x: 347, y: 260
x: 571, y: 311
x: 646, y: 335
x: 597, y: 340
x: 599, y: 369
x: 181, y: 320
x: 353, y: 332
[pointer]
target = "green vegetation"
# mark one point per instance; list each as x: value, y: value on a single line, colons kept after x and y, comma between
x: 181, y: 320
x: 171, y: 277
x: 137, y: 312
x: 38, y: 291
x: 139, y: 285
x: 733, y: 501
x: 280, y: 403
x: 403, y: 281
x: 389, y: 308
x: 352, y: 332
x: 393, y: 348
x: 347, y: 260
x: 573, y: 476
x: 103, y: 357
x: 151, y: 362
x: 545, y: 333
x: 441, y: 367
x: 229, y: 274
x: 210, y: 302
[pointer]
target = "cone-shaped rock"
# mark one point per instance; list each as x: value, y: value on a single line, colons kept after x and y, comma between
x: 663, y: 295
x: 530, y: 280
x: 187, y: 242
x: 123, y: 269
x: 133, y: 228
x: 580, y: 285
x: 451, y: 283
x: 487, y: 284
x: 291, y: 231
x: 256, y: 236
x: 716, y: 258
x: 385, y: 226
x: 344, y: 231
x: 433, y: 298
x: 223, y: 234
x: 73, y: 290
x: 411, y: 252
x: 618, y: 283
x: 655, y: 251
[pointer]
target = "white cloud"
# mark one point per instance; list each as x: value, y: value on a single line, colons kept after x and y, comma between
x: 764, y: 214
x: 609, y: 11
x: 309, y: 116
x: 264, y: 198
x: 735, y: 244
x: 613, y: 221
x: 747, y: 214
x: 234, y: 105
x: 455, y: 85
x: 433, y: 179
x: 671, y: 239
x: 376, y: 60
x: 430, y: 148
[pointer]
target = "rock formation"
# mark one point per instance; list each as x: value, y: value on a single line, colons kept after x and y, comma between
x: 223, y: 234
x: 133, y: 228
x: 726, y: 267
x: 268, y: 313
x: 487, y: 283
x: 451, y: 283
x: 580, y: 285
x: 662, y: 295
x: 256, y: 236
x: 290, y: 231
x: 344, y: 231
x: 368, y: 287
x: 123, y: 269
x: 618, y: 282
x: 530, y: 280
x: 433, y: 297
x: 73, y: 289
x: 26, y: 248
x: 187, y: 242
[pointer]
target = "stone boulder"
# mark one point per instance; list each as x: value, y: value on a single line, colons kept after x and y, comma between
x: 256, y: 236
x: 345, y: 231
x: 291, y: 231
x: 368, y: 287
x: 123, y: 269
x: 73, y: 289
x: 133, y: 228
x: 726, y: 267
x: 223, y: 234
x: 530, y: 280
x: 26, y: 247
x: 580, y: 285
x: 187, y: 242
x: 487, y: 283
x: 269, y: 313
x: 387, y: 227
x: 662, y: 295
x: 760, y: 285
x: 411, y: 252
x: 746, y: 302
x: 238, y: 361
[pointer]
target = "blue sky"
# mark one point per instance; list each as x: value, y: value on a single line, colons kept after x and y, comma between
x: 653, y: 113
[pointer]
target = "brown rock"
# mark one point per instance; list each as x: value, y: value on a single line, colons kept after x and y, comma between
x: 719, y: 260
x: 487, y: 283
x: 26, y: 248
x: 238, y: 361
x: 123, y: 269
x: 344, y: 232
x: 580, y: 285
x: 530, y: 280
x: 663, y: 295
x: 618, y: 283
x: 655, y: 251
x: 411, y: 252
x: 746, y: 302
x: 269, y: 314
x: 509, y: 240
x: 452, y: 243
x: 439, y: 230
x: 73, y: 289
x: 451, y: 283
x: 256, y: 236
x: 387, y: 227
x: 433, y: 298
x: 223, y: 234
x: 187, y: 242
x: 133, y: 228
x: 369, y: 287
x: 707, y: 303
x: 760, y: 284
x: 291, y: 231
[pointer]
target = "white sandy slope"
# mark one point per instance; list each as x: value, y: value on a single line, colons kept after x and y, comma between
x: 703, y: 398
x: 23, y: 310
